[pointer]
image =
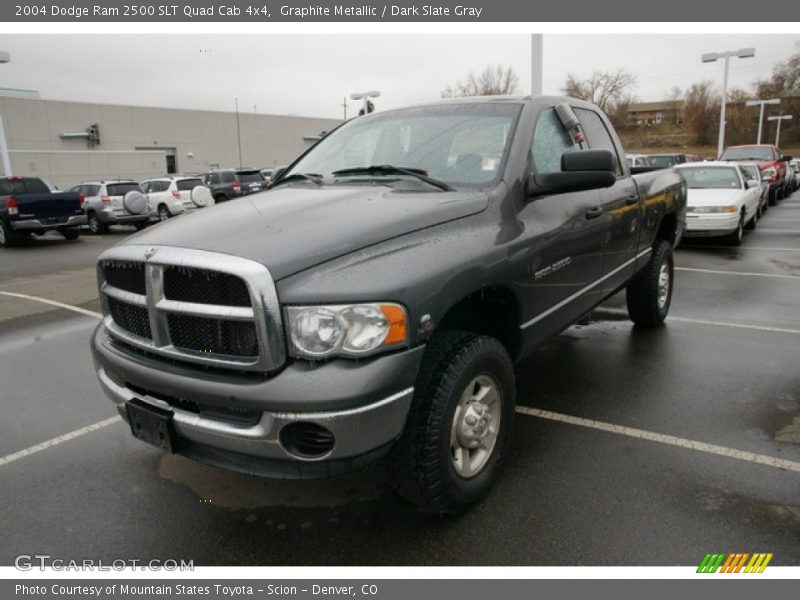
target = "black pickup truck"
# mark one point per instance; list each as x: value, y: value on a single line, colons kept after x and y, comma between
x: 373, y: 303
x: 28, y: 206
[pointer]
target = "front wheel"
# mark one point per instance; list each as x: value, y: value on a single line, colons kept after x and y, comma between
x: 649, y: 295
x: 458, y: 425
x: 735, y: 239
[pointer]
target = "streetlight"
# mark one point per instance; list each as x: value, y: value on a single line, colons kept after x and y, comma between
x: 779, y: 118
x: 4, y: 58
x: 366, y: 96
x: 761, y: 103
x: 712, y: 57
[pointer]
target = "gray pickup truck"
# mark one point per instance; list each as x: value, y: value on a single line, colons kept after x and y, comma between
x: 373, y: 303
x: 28, y: 206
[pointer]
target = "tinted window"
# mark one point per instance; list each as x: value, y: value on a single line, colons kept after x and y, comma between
x: 662, y: 162
x: 250, y: 176
x: 228, y: 177
x: 597, y: 134
x: 120, y: 189
x: 159, y: 186
x: 11, y: 186
x: 189, y: 184
x: 550, y: 141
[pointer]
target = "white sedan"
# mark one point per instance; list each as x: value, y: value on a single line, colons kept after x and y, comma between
x: 722, y: 201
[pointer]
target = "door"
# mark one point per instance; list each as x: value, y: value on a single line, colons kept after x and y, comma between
x: 621, y: 211
x: 565, y: 236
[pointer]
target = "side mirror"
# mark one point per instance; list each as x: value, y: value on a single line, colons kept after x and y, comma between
x: 580, y: 171
x: 751, y: 183
x: 786, y: 157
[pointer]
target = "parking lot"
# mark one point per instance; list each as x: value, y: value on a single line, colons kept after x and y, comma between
x: 629, y: 448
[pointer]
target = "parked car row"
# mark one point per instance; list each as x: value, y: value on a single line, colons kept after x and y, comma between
x: 660, y: 161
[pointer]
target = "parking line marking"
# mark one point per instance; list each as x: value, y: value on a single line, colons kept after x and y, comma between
x: 670, y: 440
x: 766, y: 248
x: 744, y: 273
x: 77, y: 309
x: 58, y: 440
x: 620, y: 311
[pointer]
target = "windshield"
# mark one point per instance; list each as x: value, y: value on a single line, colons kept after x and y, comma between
x: 460, y: 144
x: 748, y: 153
x: 662, y: 162
x: 724, y: 178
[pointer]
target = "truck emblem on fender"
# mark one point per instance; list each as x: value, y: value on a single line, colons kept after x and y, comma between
x: 149, y: 253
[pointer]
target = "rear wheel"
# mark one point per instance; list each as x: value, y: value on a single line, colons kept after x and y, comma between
x: 70, y: 234
x: 163, y: 212
x: 7, y: 236
x: 140, y: 225
x: 459, y: 423
x: 649, y: 295
x: 95, y: 225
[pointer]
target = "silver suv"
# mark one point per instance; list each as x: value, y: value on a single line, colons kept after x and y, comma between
x: 113, y: 202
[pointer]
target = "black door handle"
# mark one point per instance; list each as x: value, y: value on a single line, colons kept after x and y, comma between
x: 595, y: 212
x: 631, y: 199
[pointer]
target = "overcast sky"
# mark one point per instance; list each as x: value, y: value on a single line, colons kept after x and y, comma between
x: 311, y: 74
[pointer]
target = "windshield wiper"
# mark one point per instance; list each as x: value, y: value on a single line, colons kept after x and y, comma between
x: 392, y: 170
x: 312, y: 177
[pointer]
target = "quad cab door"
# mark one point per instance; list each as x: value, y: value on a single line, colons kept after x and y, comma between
x: 564, y: 239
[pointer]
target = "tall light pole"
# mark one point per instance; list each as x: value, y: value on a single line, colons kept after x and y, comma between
x: 761, y: 103
x: 537, y: 62
x: 779, y: 119
x: 365, y: 96
x: 4, y: 58
x: 238, y: 132
x: 712, y: 57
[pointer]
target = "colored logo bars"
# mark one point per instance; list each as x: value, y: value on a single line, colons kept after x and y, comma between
x: 734, y: 563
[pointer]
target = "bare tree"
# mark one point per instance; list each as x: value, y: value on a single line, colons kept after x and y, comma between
x: 701, y: 112
x: 601, y: 88
x: 492, y: 81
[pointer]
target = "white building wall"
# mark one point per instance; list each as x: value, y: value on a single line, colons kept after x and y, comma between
x: 201, y: 139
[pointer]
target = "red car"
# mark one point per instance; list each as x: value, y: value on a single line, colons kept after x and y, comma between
x: 772, y: 164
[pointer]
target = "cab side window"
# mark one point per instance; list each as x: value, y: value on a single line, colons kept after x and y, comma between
x: 550, y: 141
x: 597, y: 134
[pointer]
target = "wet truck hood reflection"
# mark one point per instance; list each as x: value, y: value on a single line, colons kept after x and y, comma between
x: 292, y: 228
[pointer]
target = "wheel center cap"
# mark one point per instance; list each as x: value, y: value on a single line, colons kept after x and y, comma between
x: 474, y: 425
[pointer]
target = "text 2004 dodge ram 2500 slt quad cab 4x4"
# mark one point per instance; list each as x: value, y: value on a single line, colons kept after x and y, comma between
x: 373, y: 302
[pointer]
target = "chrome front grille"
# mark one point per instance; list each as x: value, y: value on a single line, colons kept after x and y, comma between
x: 192, y: 305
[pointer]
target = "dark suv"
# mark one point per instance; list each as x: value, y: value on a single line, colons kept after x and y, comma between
x: 232, y: 183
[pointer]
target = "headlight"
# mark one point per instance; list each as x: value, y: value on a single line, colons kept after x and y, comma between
x: 770, y: 173
x: 345, y: 329
x: 713, y: 209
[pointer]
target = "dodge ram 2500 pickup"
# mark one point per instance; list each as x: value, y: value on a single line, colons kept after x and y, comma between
x: 372, y: 304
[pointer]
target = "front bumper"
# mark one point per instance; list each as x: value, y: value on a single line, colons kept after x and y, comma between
x: 710, y: 225
x: 363, y: 405
x: 38, y: 224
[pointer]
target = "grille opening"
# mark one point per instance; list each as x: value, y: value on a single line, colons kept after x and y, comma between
x: 189, y: 284
x: 213, y: 336
x: 128, y: 276
x: 307, y: 440
x: 130, y: 318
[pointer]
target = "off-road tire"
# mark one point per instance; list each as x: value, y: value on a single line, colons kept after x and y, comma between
x: 421, y: 462
x: 646, y: 305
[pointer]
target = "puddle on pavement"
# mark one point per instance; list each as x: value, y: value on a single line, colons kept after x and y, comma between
x: 231, y: 490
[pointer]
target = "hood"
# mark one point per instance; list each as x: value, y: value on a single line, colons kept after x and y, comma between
x: 295, y: 227
x: 712, y: 197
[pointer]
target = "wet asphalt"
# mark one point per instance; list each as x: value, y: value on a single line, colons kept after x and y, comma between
x: 722, y: 371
